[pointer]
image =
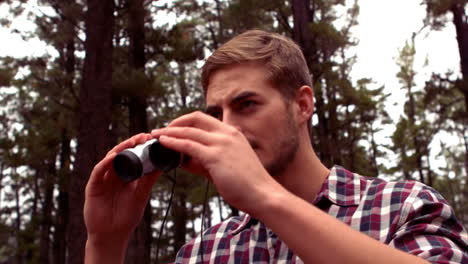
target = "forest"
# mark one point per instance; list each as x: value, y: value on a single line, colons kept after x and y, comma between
x: 121, y: 67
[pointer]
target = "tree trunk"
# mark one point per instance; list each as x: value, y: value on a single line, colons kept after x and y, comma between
x: 94, y: 115
x: 220, y: 207
x: 375, y: 166
x: 180, y: 216
x: 302, y: 18
x: 61, y: 222
x: 461, y: 26
x: 61, y: 219
x: 414, y: 132
x: 139, y: 248
x: 301, y: 33
x: 46, y: 217
x: 16, y: 187
x: 137, y: 61
x: 1, y: 180
x: 30, y: 229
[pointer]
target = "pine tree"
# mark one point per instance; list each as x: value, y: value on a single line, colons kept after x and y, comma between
x: 414, y: 133
x: 447, y: 94
x: 94, y: 115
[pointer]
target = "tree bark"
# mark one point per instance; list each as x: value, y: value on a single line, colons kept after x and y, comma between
x: 460, y: 22
x: 46, y: 217
x: 461, y: 26
x: 94, y: 116
x: 137, y: 61
x: 301, y: 33
x: 414, y: 132
x: 180, y: 216
x: 62, y: 181
x: 302, y: 18
x: 16, y: 187
x: 61, y: 222
x: 139, y: 248
x: 1, y: 180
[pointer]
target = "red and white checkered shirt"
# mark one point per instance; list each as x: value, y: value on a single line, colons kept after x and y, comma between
x: 409, y: 216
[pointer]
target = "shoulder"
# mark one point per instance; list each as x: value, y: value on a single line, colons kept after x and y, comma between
x: 402, y: 191
x: 426, y: 224
x: 346, y: 188
x: 414, y: 201
x: 420, y: 220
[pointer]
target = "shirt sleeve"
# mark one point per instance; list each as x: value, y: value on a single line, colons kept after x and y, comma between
x: 429, y: 229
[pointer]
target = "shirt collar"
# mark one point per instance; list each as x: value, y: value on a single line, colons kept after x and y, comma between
x: 246, y: 221
x: 341, y: 187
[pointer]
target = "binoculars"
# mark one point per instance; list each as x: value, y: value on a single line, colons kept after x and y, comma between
x: 142, y: 159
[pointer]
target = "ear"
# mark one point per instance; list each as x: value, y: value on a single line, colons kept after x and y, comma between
x: 305, y: 103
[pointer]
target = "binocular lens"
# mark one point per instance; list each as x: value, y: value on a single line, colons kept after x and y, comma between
x: 135, y: 162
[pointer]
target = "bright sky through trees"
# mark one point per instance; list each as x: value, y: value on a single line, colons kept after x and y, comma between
x: 384, y: 27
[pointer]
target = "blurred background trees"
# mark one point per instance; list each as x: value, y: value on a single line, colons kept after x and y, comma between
x: 117, y: 68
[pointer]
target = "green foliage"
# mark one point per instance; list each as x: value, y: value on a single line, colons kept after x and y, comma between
x: 414, y: 133
x: 453, y: 186
x: 445, y: 102
x: 183, y: 44
x: 39, y: 101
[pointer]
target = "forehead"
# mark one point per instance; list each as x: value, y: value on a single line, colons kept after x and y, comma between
x: 228, y: 82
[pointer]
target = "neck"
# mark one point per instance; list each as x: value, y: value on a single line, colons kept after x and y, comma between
x: 306, y: 173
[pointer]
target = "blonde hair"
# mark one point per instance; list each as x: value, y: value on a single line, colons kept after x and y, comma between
x: 280, y: 56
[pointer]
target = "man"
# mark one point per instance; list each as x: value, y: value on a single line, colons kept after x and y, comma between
x: 253, y: 144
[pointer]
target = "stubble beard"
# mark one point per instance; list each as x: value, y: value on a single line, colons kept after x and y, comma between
x: 286, y: 147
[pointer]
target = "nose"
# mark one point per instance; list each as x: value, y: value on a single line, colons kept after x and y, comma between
x: 231, y: 119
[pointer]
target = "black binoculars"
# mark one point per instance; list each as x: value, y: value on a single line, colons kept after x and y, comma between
x: 142, y: 159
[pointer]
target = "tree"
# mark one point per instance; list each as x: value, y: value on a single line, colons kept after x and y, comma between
x: 139, y: 249
x: 94, y: 115
x: 342, y: 107
x: 438, y: 17
x: 414, y: 132
x: 447, y: 94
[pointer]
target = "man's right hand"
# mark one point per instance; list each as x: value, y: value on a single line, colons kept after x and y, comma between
x: 113, y: 208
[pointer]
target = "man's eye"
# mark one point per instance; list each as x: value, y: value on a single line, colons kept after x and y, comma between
x: 247, y: 104
x: 217, y: 115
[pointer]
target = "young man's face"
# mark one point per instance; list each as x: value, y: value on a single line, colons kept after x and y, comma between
x: 242, y: 97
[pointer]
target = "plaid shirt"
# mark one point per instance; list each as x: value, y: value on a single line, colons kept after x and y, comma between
x: 409, y: 216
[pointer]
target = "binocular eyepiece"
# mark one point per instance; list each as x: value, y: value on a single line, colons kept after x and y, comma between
x: 142, y: 159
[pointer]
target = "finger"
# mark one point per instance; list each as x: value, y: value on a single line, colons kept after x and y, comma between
x: 186, y: 146
x: 193, y: 149
x: 131, y: 142
x: 99, y: 174
x: 102, y: 167
x: 197, y: 119
x: 190, y: 133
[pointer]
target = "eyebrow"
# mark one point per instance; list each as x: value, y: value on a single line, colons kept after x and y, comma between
x: 242, y: 96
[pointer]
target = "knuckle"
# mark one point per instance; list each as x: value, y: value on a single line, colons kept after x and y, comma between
x: 217, y: 152
x: 184, y: 144
x: 197, y: 115
x: 233, y: 131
